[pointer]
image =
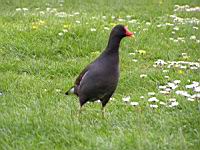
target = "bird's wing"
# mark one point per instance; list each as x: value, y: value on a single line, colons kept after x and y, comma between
x: 81, y: 75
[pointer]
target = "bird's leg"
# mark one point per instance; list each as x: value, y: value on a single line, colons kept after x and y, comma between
x: 103, y: 111
x: 79, y: 111
x: 104, y: 101
x: 82, y: 102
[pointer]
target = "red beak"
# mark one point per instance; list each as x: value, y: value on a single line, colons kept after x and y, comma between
x: 128, y: 33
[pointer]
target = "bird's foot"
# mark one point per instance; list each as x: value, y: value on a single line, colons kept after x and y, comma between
x: 79, y: 112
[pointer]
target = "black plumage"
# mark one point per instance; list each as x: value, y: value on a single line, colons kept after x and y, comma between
x: 99, y: 79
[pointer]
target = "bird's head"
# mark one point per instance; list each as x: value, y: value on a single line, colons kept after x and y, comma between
x: 121, y: 31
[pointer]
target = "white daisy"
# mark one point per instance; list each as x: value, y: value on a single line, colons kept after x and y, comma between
x: 61, y: 14
x: 58, y: 90
x: 134, y: 60
x: 163, y: 103
x: 153, y: 106
x: 183, y: 93
x: 106, y: 28
x: 193, y: 37
x: 132, y: 21
x: 190, y: 86
x: 197, y: 96
x: 145, y: 29
x: 42, y: 12
x: 25, y: 9
x: 151, y: 93
x: 65, y: 30
x: 175, y: 40
x: 104, y: 17
x: 165, y: 71
x: 174, y: 104
x: 195, y: 83
x: 177, y: 81
x: 60, y: 34
x: 93, y: 30
x: 128, y: 16
x: 159, y: 25
x: 142, y: 97
x: 176, y: 28
x: 121, y: 20
x: 190, y: 99
x: 172, y: 85
x: 48, y: 9
x: 164, y: 92
x: 112, y: 98
x: 132, y: 54
x: 18, y: 9
x: 160, y: 62
x: 148, y: 23
x: 162, y: 87
x: 153, y: 99
x: 197, y: 89
x: 134, y: 103
x: 172, y: 100
x: 166, y: 77
x: 168, y: 89
x: 193, y: 68
x: 184, y: 54
x: 126, y: 99
x: 169, y: 24
x: 143, y: 76
x: 76, y: 13
x: 183, y: 67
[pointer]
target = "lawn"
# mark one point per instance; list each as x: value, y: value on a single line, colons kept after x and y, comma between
x: 45, y: 44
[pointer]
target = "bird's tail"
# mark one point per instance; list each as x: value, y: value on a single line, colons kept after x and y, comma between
x: 70, y: 91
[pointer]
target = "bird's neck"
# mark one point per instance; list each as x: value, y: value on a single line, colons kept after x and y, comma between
x: 113, y: 44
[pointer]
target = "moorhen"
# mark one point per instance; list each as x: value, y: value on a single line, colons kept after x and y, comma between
x: 99, y: 79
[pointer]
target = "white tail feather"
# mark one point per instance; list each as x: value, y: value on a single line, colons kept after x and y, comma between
x: 71, y: 91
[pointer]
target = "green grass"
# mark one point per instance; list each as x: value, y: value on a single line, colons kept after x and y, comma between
x: 37, y: 66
